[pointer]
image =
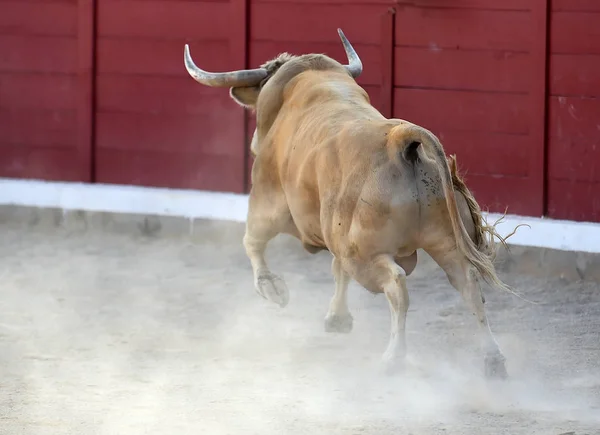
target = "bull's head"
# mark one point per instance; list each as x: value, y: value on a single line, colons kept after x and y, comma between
x: 245, y: 85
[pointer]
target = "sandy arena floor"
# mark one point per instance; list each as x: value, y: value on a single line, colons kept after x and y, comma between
x: 116, y: 334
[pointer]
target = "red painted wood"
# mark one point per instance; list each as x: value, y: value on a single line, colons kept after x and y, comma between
x: 38, y: 54
x: 537, y: 104
x: 513, y: 5
x: 370, y: 55
x: 575, y: 5
x: 239, y: 44
x: 575, y: 75
x: 173, y: 132
x: 387, y: 63
x: 86, y: 38
x: 463, y: 28
x: 162, y: 19
x: 574, y: 139
x: 150, y: 57
x: 574, y: 200
x: 315, y: 22
x: 48, y: 18
x: 573, y: 164
x: 464, y: 111
x: 37, y: 91
x: 330, y: 2
x: 501, y: 193
x: 575, y: 33
x: 51, y: 164
x: 150, y: 112
x: 158, y: 94
x: 486, y: 153
x: 170, y: 169
x: 499, y: 71
x: 37, y: 129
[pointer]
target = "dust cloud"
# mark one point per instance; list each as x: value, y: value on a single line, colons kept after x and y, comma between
x: 111, y: 333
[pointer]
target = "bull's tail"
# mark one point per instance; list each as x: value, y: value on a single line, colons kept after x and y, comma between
x: 413, y: 143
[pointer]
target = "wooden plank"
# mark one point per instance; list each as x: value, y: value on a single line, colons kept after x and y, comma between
x: 370, y: 55
x: 465, y: 29
x: 154, y: 95
x: 239, y: 45
x: 168, y: 169
x: 488, y: 153
x: 161, y: 19
x: 575, y: 33
x: 86, y: 54
x: 574, y: 139
x: 329, y: 2
x: 214, y: 134
x: 40, y: 128
x: 20, y: 17
x: 40, y: 54
x: 538, y: 73
x: 495, y: 193
x: 575, y: 75
x: 513, y: 5
x: 51, y: 164
x: 463, y: 111
x: 520, y: 5
x: 139, y: 56
x: 314, y: 22
x: 387, y: 63
x: 574, y: 200
x: 500, y: 71
x: 37, y: 91
x: 575, y: 5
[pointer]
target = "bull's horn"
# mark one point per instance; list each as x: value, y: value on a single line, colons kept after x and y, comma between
x: 246, y: 77
x: 354, y: 66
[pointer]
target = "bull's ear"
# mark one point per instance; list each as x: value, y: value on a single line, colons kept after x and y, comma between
x: 246, y: 96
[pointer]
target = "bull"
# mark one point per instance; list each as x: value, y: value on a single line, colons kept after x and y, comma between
x: 336, y: 174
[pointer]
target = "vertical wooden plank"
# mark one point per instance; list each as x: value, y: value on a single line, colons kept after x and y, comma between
x: 387, y: 62
x: 240, y: 17
x: 86, y: 43
x: 539, y: 104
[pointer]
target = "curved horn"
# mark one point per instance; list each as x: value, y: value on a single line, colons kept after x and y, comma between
x: 245, y: 77
x: 354, y: 66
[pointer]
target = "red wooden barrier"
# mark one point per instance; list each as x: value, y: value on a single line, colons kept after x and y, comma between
x: 574, y: 111
x: 40, y: 92
x: 154, y: 125
x: 96, y: 90
x: 471, y: 74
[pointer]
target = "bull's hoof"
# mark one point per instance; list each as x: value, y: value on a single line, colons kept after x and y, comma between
x: 495, y: 367
x: 273, y: 288
x: 338, y: 323
x: 393, y: 361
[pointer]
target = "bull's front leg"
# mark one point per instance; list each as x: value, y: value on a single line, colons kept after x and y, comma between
x: 267, y: 217
x: 338, y: 317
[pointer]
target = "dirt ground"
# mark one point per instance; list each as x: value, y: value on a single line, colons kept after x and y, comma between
x: 123, y: 334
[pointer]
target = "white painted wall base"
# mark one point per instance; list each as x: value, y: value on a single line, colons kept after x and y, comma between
x: 544, y: 233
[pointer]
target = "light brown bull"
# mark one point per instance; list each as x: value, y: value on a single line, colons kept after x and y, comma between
x: 332, y: 171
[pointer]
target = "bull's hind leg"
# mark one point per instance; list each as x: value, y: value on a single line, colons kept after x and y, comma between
x: 462, y: 276
x: 383, y: 275
x: 338, y: 318
x: 268, y: 216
